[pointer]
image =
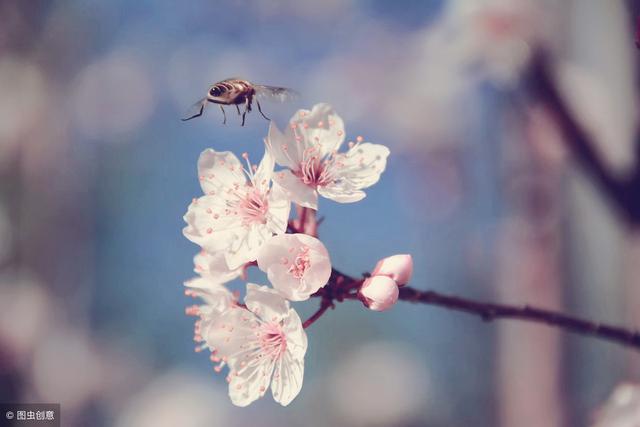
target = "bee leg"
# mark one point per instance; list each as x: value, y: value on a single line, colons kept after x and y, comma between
x: 260, y: 109
x: 224, y: 115
x: 238, y: 109
x: 198, y: 114
x: 247, y: 107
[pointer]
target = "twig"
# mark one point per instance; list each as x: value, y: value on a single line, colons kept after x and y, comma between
x: 623, y: 191
x: 324, y: 305
x: 341, y: 287
x: 491, y: 311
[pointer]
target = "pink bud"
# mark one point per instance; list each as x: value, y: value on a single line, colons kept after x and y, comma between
x: 379, y: 293
x: 398, y: 267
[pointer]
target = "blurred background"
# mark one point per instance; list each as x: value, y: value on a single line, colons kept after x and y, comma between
x: 96, y: 171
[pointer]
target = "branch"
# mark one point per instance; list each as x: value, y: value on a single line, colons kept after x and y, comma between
x: 341, y: 287
x: 315, y: 316
x: 491, y: 311
x: 622, y: 191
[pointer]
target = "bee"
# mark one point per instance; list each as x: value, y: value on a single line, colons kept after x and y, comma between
x: 240, y: 92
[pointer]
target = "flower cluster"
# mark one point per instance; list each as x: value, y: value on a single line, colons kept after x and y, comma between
x: 380, y: 291
x: 242, y: 220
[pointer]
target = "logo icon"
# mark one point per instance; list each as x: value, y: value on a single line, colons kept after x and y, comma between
x: 9, y: 415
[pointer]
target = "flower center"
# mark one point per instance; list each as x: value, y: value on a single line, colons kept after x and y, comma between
x: 315, y: 170
x: 253, y: 207
x: 272, y: 340
x: 301, y: 263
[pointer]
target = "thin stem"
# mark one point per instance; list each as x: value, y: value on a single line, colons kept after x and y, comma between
x: 302, y: 218
x: 315, y: 316
x: 492, y: 311
x: 341, y: 287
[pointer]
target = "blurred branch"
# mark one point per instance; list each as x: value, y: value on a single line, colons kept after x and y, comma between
x: 623, y: 192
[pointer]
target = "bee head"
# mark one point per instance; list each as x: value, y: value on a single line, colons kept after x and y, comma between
x: 215, y: 91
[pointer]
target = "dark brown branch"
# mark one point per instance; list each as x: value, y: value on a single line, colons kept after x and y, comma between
x: 342, y: 287
x: 324, y: 305
x: 491, y: 311
x: 623, y: 192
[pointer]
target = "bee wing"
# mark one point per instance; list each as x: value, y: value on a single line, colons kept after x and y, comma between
x: 195, y: 110
x: 280, y: 94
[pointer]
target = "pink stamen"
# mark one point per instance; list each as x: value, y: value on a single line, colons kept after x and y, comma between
x: 254, y: 208
x: 273, y: 341
x: 301, y: 263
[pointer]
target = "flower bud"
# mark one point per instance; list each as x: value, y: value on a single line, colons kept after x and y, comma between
x: 398, y: 267
x: 379, y: 293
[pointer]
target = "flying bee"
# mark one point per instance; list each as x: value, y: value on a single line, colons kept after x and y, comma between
x: 240, y: 92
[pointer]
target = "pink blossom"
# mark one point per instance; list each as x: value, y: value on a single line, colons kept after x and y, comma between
x: 240, y: 209
x: 263, y: 344
x: 297, y: 265
x: 379, y: 293
x: 308, y: 148
x: 398, y: 267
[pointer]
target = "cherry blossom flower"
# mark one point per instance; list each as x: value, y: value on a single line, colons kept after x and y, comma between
x: 216, y: 297
x: 216, y: 300
x: 240, y: 209
x: 263, y: 344
x: 209, y: 286
x: 309, y: 150
x: 297, y: 265
x: 214, y: 267
x: 379, y: 293
x: 397, y: 267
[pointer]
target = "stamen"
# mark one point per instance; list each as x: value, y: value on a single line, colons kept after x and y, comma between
x: 250, y: 168
x: 273, y: 342
x: 301, y: 263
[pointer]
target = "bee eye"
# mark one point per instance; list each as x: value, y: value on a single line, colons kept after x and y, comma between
x: 214, y: 91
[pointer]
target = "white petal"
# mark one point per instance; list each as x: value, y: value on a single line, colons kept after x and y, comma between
x: 266, y: 303
x: 341, y: 193
x: 205, y: 229
x: 263, y: 174
x: 245, y: 247
x: 364, y: 163
x: 250, y: 382
x: 296, y: 336
x: 319, y: 127
x: 283, y: 147
x: 217, y: 300
x: 297, y: 191
x: 214, y: 267
x: 230, y: 336
x: 216, y: 296
x: 219, y: 170
x: 297, y: 265
x: 287, y: 379
x: 279, y: 208
x: 358, y: 168
x: 289, y: 370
